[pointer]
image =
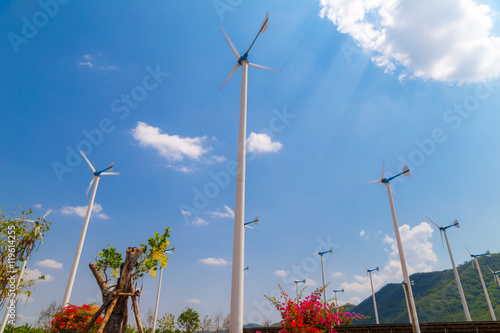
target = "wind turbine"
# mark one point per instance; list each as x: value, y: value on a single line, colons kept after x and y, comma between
x: 237, y: 281
x: 335, y: 293
x: 254, y: 221
x: 171, y: 250
x: 495, y: 274
x: 322, y: 267
x: 474, y: 257
x: 387, y: 183
x: 369, y: 272
x: 18, y: 280
x: 442, y: 231
x: 297, y: 286
x: 96, y: 176
x: 246, y: 269
x: 406, y: 297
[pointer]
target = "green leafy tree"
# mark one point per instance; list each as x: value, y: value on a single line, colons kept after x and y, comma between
x: 18, y: 238
x: 189, y: 320
x: 166, y: 324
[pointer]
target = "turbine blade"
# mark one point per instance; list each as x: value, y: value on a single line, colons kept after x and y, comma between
x: 236, y: 54
x: 266, y: 68
x: 235, y: 68
x: 394, y: 195
x: 320, y: 243
x: 48, y: 212
x: 87, y: 160
x: 375, y: 181
x: 468, y: 250
x: 265, y: 24
x: 441, y: 233
x: 109, y: 173
x: 364, y: 266
x: 249, y: 227
x: 90, y: 185
x: 490, y: 269
x: 406, y: 171
x: 383, y: 168
x: 433, y: 223
x: 110, y: 168
x: 256, y: 220
x: 246, y: 273
x: 313, y: 254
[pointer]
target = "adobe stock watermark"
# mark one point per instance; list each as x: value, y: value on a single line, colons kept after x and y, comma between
x: 122, y: 107
x: 223, y: 6
x: 31, y: 26
x: 454, y: 117
x: 309, y: 265
x: 220, y: 180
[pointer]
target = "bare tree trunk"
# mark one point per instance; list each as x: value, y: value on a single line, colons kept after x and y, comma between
x: 124, y: 285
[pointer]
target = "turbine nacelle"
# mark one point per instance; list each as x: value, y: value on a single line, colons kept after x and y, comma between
x: 405, y: 172
x: 96, y: 174
x: 443, y: 229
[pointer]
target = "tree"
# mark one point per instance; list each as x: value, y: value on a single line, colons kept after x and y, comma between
x: 225, y: 323
x: 46, y: 316
x: 166, y: 324
x: 149, y: 318
x: 18, y: 237
x: 217, y: 320
x: 189, y: 320
x: 206, y: 324
x: 267, y: 323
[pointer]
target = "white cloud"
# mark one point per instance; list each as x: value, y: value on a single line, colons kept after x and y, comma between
x: 311, y: 282
x: 50, y: 263
x: 262, y: 143
x: 194, y: 300
x: 280, y: 273
x: 446, y: 40
x: 90, y: 62
x: 227, y: 213
x: 214, y: 261
x: 183, y: 168
x: 33, y: 274
x: 173, y: 147
x: 199, y: 221
x: 419, y: 255
x: 337, y: 274
x: 355, y: 300
x: 362, y: 233
x: 82, y: 210
x: 38, y: 206
x: 186, y: 212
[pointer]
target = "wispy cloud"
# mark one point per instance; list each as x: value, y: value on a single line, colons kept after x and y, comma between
x: 214, y: 261
x: 50, y: 263
x: 311, y: 282
x: 199, y: 221
x: 82, y: 210
x: 228, y: 212
x: 337, y: 274
x: 33, y: 274
x: 92, y: 62
x: 194, y: 301
x: 262, y: 143
x: 446, y: 40
x: 38, y: 206
x: 280, y: 273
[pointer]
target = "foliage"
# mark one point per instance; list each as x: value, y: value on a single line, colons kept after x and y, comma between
x: 189, y: 320
x: 310, y: 315
x: 45, y: 316
x: 153, y: 257
x: 18, y: 237
x: 206, y: 324
x: 217, y: 320
x: 23, y: 329
x: 226, y: 323
x: 74, y: 319
x: 166, y: 324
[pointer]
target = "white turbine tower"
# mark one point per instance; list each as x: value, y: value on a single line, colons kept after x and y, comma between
x: 25, y: 260
x: 442, y: 230
x: 335, y: 293
x: 474, y: 258
x: 406, y: 297
x: 297, y: 286
x: 495, y: 274
x: 404, y: 269
x: 171, y: 250
x: 322, y: 267
x: 237, y: 281
x: 96, y: 176
x: 369, y: 272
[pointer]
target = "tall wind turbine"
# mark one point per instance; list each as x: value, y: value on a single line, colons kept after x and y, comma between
x: 369, y: 272
x: 495, y: 274
x: 171, y: 250
x: 237, y: 281
x: 25, y: 260
x: 387, y: 183
x: 474, y: 257
x: 322, y: 267
x: 297, y: 286
x: 335, y: 293
x: 442, y: 231
x: 96, y: 176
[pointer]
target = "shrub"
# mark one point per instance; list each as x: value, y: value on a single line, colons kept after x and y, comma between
x: 74, y: 319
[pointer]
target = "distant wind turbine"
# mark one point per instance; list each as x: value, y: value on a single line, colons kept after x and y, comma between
x: 335, y: 293
x: 171, y: 250
x: 474, y: 258
x: 25, y: 260
x: 96, y: 176
x: 404, y: 269
x: 495, y: 274
x: 246, y: 269
x: 322, y: 267
x: 254, y: 221
x: 237, y: 281
x: 442, y: 231
x: 369, y: 272
x: 297, y: 286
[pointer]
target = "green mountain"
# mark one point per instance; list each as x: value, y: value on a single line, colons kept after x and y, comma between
x: 436, y: 296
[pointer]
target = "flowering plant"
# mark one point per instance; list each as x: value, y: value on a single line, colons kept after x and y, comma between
x: 310, y: 315
x: 74, y: 319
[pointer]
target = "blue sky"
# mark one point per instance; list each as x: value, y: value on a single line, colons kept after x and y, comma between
x: 362, y: 82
